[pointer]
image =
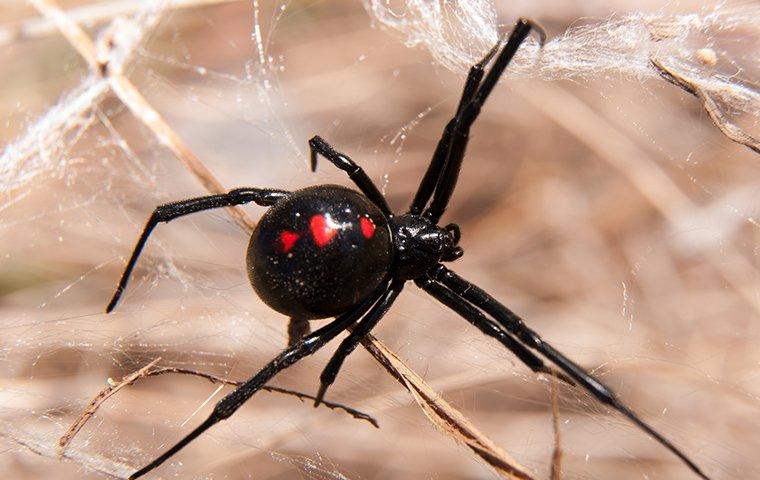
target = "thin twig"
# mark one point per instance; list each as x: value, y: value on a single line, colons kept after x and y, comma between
x: 97, y: 401
x: 442, y: 414
x: 729, y: 129
x: 556, y: 473
x: 150, y: 370
x: 285, y: 391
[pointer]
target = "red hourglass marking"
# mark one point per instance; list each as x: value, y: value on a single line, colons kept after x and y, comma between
x: 321, y: 231
x: 368, y: 227
x: 287, y: 240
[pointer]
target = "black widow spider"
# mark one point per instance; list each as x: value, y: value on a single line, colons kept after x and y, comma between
x: 329, y: 251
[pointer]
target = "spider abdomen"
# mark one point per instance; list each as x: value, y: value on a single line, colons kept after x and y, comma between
x: 319, y: 251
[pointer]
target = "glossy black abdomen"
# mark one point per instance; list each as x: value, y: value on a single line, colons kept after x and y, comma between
x: 319, y: 251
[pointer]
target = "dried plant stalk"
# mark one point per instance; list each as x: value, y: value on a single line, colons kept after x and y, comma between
x: 97, y: 401
x: 90, y: 14
x: 556, y: 472
x: 443, y: 415
x: 150, y: 370
x: 137, y: 104
x: 729, y: 129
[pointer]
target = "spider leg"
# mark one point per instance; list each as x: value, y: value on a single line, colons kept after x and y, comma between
x: 430, y: 179
x: 352, y: 341
x: 466, y: 116
x: 307, y: 346
x: 297, y: 329
x: 488, y: 327
x: 165, y: 213
x: 319, y: 145
x: 516, y: 326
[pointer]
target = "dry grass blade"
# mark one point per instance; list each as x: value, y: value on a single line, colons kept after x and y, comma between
x: 140, y: 107
x: 729, y: 129
x: 70, y: 30
x: 556, y: 472
x: 136, y: 103
x: 444, y: 416
x: 150, y: 370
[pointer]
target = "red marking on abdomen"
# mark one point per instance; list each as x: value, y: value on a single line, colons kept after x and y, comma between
x: 321, y: 231
x: 287, y: 240
x: 368, y: 227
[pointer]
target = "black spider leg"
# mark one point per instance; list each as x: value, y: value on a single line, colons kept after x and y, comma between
x: 488, y: 327
x: 319, y: 145
x: 466, y: 117
x: 350, y: 343
x: 433, y: 172
x: 307, y: 346
x: 515, y: 325
x: 442, y: 174
x: 297, y: 329
x: 164, y: 213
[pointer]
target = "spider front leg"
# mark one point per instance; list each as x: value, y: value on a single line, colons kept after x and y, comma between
x: 467, y: 115
x: 319, y: 145
x: 441, y: 153
x: 307, y: 346
x: 164, y: 213
x: 443, y: 171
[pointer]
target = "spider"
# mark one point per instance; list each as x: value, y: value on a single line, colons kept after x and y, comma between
x: 329, y: 251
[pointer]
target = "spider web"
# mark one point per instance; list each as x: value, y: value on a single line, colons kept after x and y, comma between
x: 645, y: 205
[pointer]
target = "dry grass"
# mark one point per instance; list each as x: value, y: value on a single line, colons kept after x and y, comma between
x: 613, y: 215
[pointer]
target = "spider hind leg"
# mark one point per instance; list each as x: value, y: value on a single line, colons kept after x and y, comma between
x: 517, y: 327
x: 352, y: 341
x: 307, y: 346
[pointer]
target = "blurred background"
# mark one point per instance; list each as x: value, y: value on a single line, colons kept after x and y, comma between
x: 604, y: 208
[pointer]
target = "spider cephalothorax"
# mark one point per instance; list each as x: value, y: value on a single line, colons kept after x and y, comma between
x: 327, y: 250
x: 420, y: 244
